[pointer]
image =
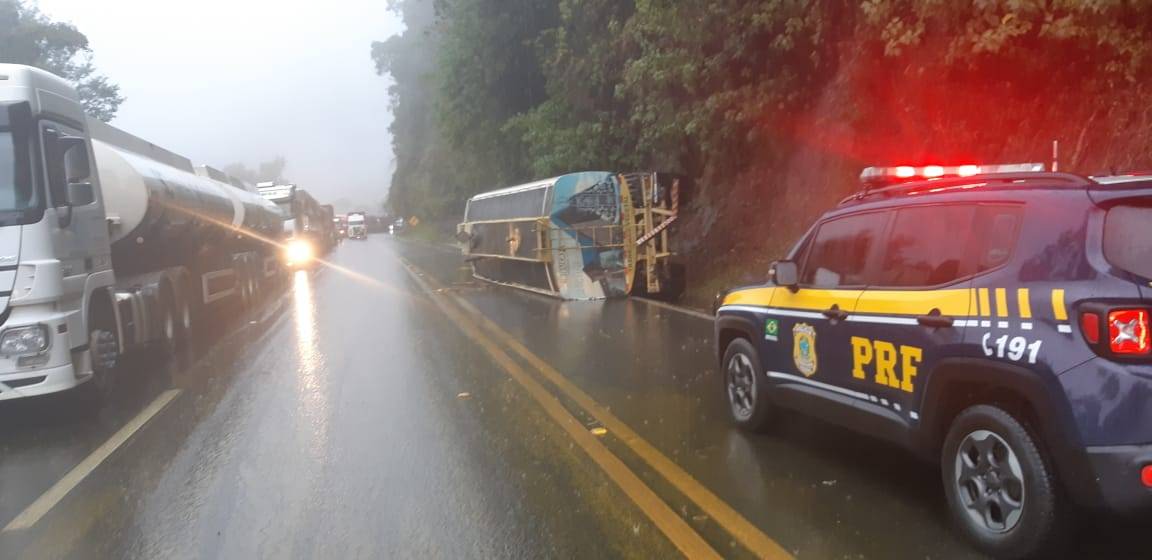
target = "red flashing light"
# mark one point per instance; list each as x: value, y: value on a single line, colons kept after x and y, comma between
x: 1090, y: 327
x: 1128, y: 331
x: 902, y: 173
x: 1146, y: 476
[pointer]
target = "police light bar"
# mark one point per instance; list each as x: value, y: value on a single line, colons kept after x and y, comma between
x: 889, y: 175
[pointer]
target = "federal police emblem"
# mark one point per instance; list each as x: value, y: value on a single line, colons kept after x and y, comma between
x: 804, y: 348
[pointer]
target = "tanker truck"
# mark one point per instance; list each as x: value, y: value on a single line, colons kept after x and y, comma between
x: 109, y: 244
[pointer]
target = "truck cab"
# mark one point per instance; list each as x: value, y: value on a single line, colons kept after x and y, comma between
x: 357, y: 226
x: 55, y: 256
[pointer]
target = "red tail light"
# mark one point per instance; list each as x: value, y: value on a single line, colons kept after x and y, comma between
x: 1128, y: 331
x: 1090, y: 327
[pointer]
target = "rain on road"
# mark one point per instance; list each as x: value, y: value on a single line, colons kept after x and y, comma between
x: 392, y: 407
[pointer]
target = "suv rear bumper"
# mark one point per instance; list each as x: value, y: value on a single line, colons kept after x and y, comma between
x: 1117, y: 476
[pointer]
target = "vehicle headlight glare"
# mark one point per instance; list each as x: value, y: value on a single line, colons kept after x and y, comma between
x: 299, y: 251
x: 24, y: 341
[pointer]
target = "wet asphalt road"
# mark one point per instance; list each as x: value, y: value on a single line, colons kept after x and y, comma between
x: 350, y: 418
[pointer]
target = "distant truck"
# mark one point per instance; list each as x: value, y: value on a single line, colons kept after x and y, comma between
x: 357, y: 226
x: 109, y: 244
x: 340, y: 222
x: 304, y: 233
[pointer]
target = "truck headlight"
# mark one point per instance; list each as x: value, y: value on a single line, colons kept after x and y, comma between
x: 24, y: 341
x: 298, y: 251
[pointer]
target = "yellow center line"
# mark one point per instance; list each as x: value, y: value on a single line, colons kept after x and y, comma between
x: 682, y: 535
x: 727, y: 517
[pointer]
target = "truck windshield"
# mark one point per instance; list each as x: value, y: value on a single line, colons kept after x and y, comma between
x: 15, y: 182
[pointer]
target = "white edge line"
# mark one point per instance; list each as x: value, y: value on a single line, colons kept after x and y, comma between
x: 48, y: 500
x: 684, y: 310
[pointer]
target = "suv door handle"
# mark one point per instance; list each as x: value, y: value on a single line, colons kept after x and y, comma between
x: 935, y: 319
x: 835, y: 313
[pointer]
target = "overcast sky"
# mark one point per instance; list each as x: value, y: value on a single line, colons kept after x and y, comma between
x: 221, y: 81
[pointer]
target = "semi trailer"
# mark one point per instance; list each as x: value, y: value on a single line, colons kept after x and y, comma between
x: 110, y: 244
x: 330, y: 227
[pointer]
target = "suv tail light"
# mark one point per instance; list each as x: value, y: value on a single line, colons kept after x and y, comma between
x: 1128, y: 331
x: 1090, y: 326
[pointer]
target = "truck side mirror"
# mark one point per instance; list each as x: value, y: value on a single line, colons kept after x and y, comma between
x: 77, y: 168
x: 67, y: 159
x: 785, y: 273
x: 81, y: 194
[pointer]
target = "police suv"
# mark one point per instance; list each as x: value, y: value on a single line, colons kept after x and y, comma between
x: 993, y: 318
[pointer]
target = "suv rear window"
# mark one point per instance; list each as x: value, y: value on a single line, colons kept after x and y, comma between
x: 1128, y: 239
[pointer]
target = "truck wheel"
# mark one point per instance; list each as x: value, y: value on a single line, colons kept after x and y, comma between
x: 242, y: 287
x: 169, y: 324
x: 104, y: 353
x: 745, y: 387
x: 1002, y: 491
x: 185, y: 319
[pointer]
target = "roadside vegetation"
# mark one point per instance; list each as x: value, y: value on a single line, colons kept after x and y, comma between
x: 772, y: 106
x: 29, y: 37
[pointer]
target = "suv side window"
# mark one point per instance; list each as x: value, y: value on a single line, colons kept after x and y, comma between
x: 927, y: 247
x: 999, y: 227
x: 839, y: 253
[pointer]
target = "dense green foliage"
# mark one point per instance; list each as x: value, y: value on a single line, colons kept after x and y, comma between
x: 29, y: 37
x: 774, y: 102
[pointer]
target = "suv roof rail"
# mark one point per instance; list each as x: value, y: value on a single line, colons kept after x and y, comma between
x: 949, y: 184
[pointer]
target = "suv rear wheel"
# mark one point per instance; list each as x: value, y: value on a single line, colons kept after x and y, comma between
x: 744, y: 386
x: 1001, y: 490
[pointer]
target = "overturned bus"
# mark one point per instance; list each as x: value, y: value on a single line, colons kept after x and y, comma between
x: 580, y: 236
